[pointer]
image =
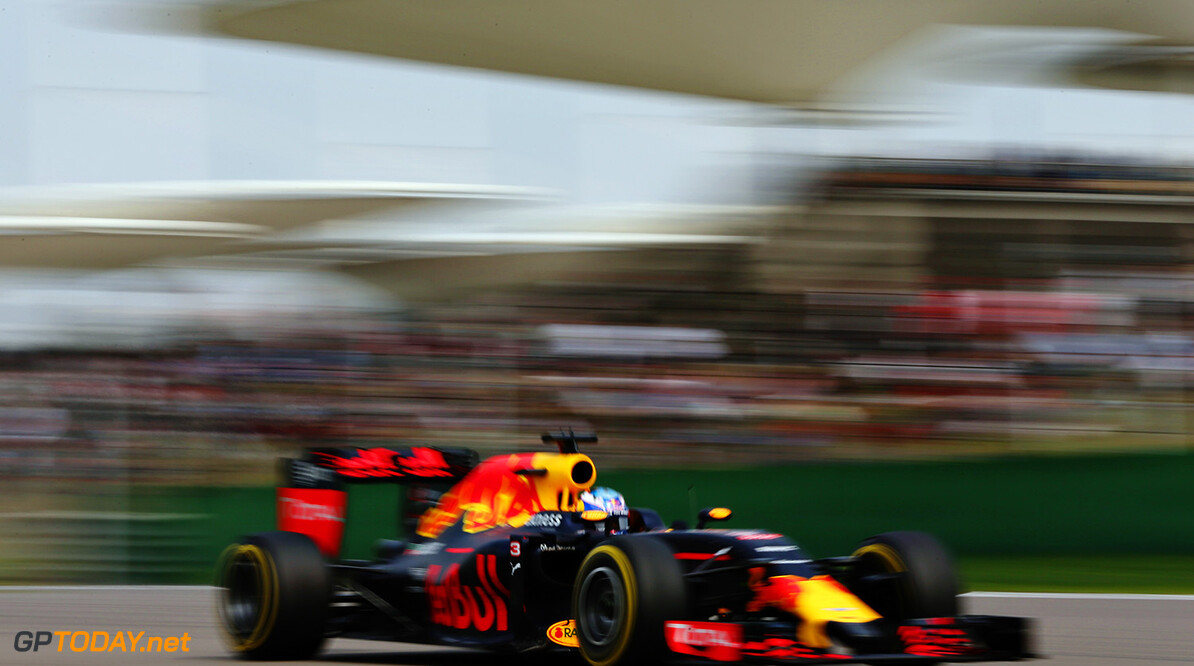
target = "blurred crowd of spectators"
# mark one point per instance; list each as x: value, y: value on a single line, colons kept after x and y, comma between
x: 826, y: 374
x: 1032, y: 172
x: 663, y: 371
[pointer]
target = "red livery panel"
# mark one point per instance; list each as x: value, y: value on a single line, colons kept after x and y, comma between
x: 316, y: 512
x: 940, y: 639
x: 717, y: 641
x: 783, y: 649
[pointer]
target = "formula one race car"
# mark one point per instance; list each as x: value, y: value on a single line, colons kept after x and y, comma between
x: 522, y: 552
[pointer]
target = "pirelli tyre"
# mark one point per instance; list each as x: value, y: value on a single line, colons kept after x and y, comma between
x: 274, y: 595
x: 625, y: 590
x: 923, y: 581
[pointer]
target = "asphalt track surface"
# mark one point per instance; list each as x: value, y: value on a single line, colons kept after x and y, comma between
x: 1091, y: 630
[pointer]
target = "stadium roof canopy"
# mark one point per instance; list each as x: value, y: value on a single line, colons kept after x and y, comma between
x: 105, y: 226
x: 773, y: 51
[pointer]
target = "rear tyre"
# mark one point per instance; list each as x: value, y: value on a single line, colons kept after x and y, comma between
x: 925, y: 583
x: 275, y: 590
x: 625, y: 590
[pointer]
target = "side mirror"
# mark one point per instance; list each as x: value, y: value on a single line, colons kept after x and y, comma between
x: 717, y: 513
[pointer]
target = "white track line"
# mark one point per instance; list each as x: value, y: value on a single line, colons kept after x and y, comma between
x: 102, y: 588
x: 1080, y: 595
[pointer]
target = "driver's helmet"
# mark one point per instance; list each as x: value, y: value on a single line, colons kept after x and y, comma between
x: 604, y: 499
x: 611, y: 502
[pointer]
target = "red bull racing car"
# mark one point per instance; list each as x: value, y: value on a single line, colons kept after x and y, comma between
x: 523, y: 552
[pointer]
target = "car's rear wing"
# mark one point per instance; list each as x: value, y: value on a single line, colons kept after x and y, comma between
x: 312, y: 499
x: 326, y: 468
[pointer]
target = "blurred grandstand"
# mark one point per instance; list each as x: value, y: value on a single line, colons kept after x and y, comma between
x: 909, y: 308
x: 906, y: 309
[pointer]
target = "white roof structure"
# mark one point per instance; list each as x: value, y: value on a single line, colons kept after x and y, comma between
x: 774, y: 51
x: 106, y: 226
x: 413, y: 238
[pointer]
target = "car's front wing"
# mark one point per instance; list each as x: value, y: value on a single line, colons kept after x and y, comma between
x: 966, y: 638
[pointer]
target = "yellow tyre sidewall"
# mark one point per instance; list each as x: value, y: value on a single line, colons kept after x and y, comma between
x: 892, y: 561
x: 267, y: 583
x: 630, y: 587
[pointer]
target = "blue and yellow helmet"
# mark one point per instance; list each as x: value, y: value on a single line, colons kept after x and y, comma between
x: 604, y: 499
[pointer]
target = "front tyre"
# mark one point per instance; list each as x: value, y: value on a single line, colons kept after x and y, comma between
x: 924, y: 582
x: 275, y: 590
x: 625, y: 590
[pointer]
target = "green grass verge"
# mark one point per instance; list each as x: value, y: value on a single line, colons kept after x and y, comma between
x: 1018, y: 506
x: 1145, y: 574
x: 1095, y: 523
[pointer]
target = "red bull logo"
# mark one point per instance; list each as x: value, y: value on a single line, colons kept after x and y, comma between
x: 508, y: 490
x: 480, y: 607
x: 380, y: 462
